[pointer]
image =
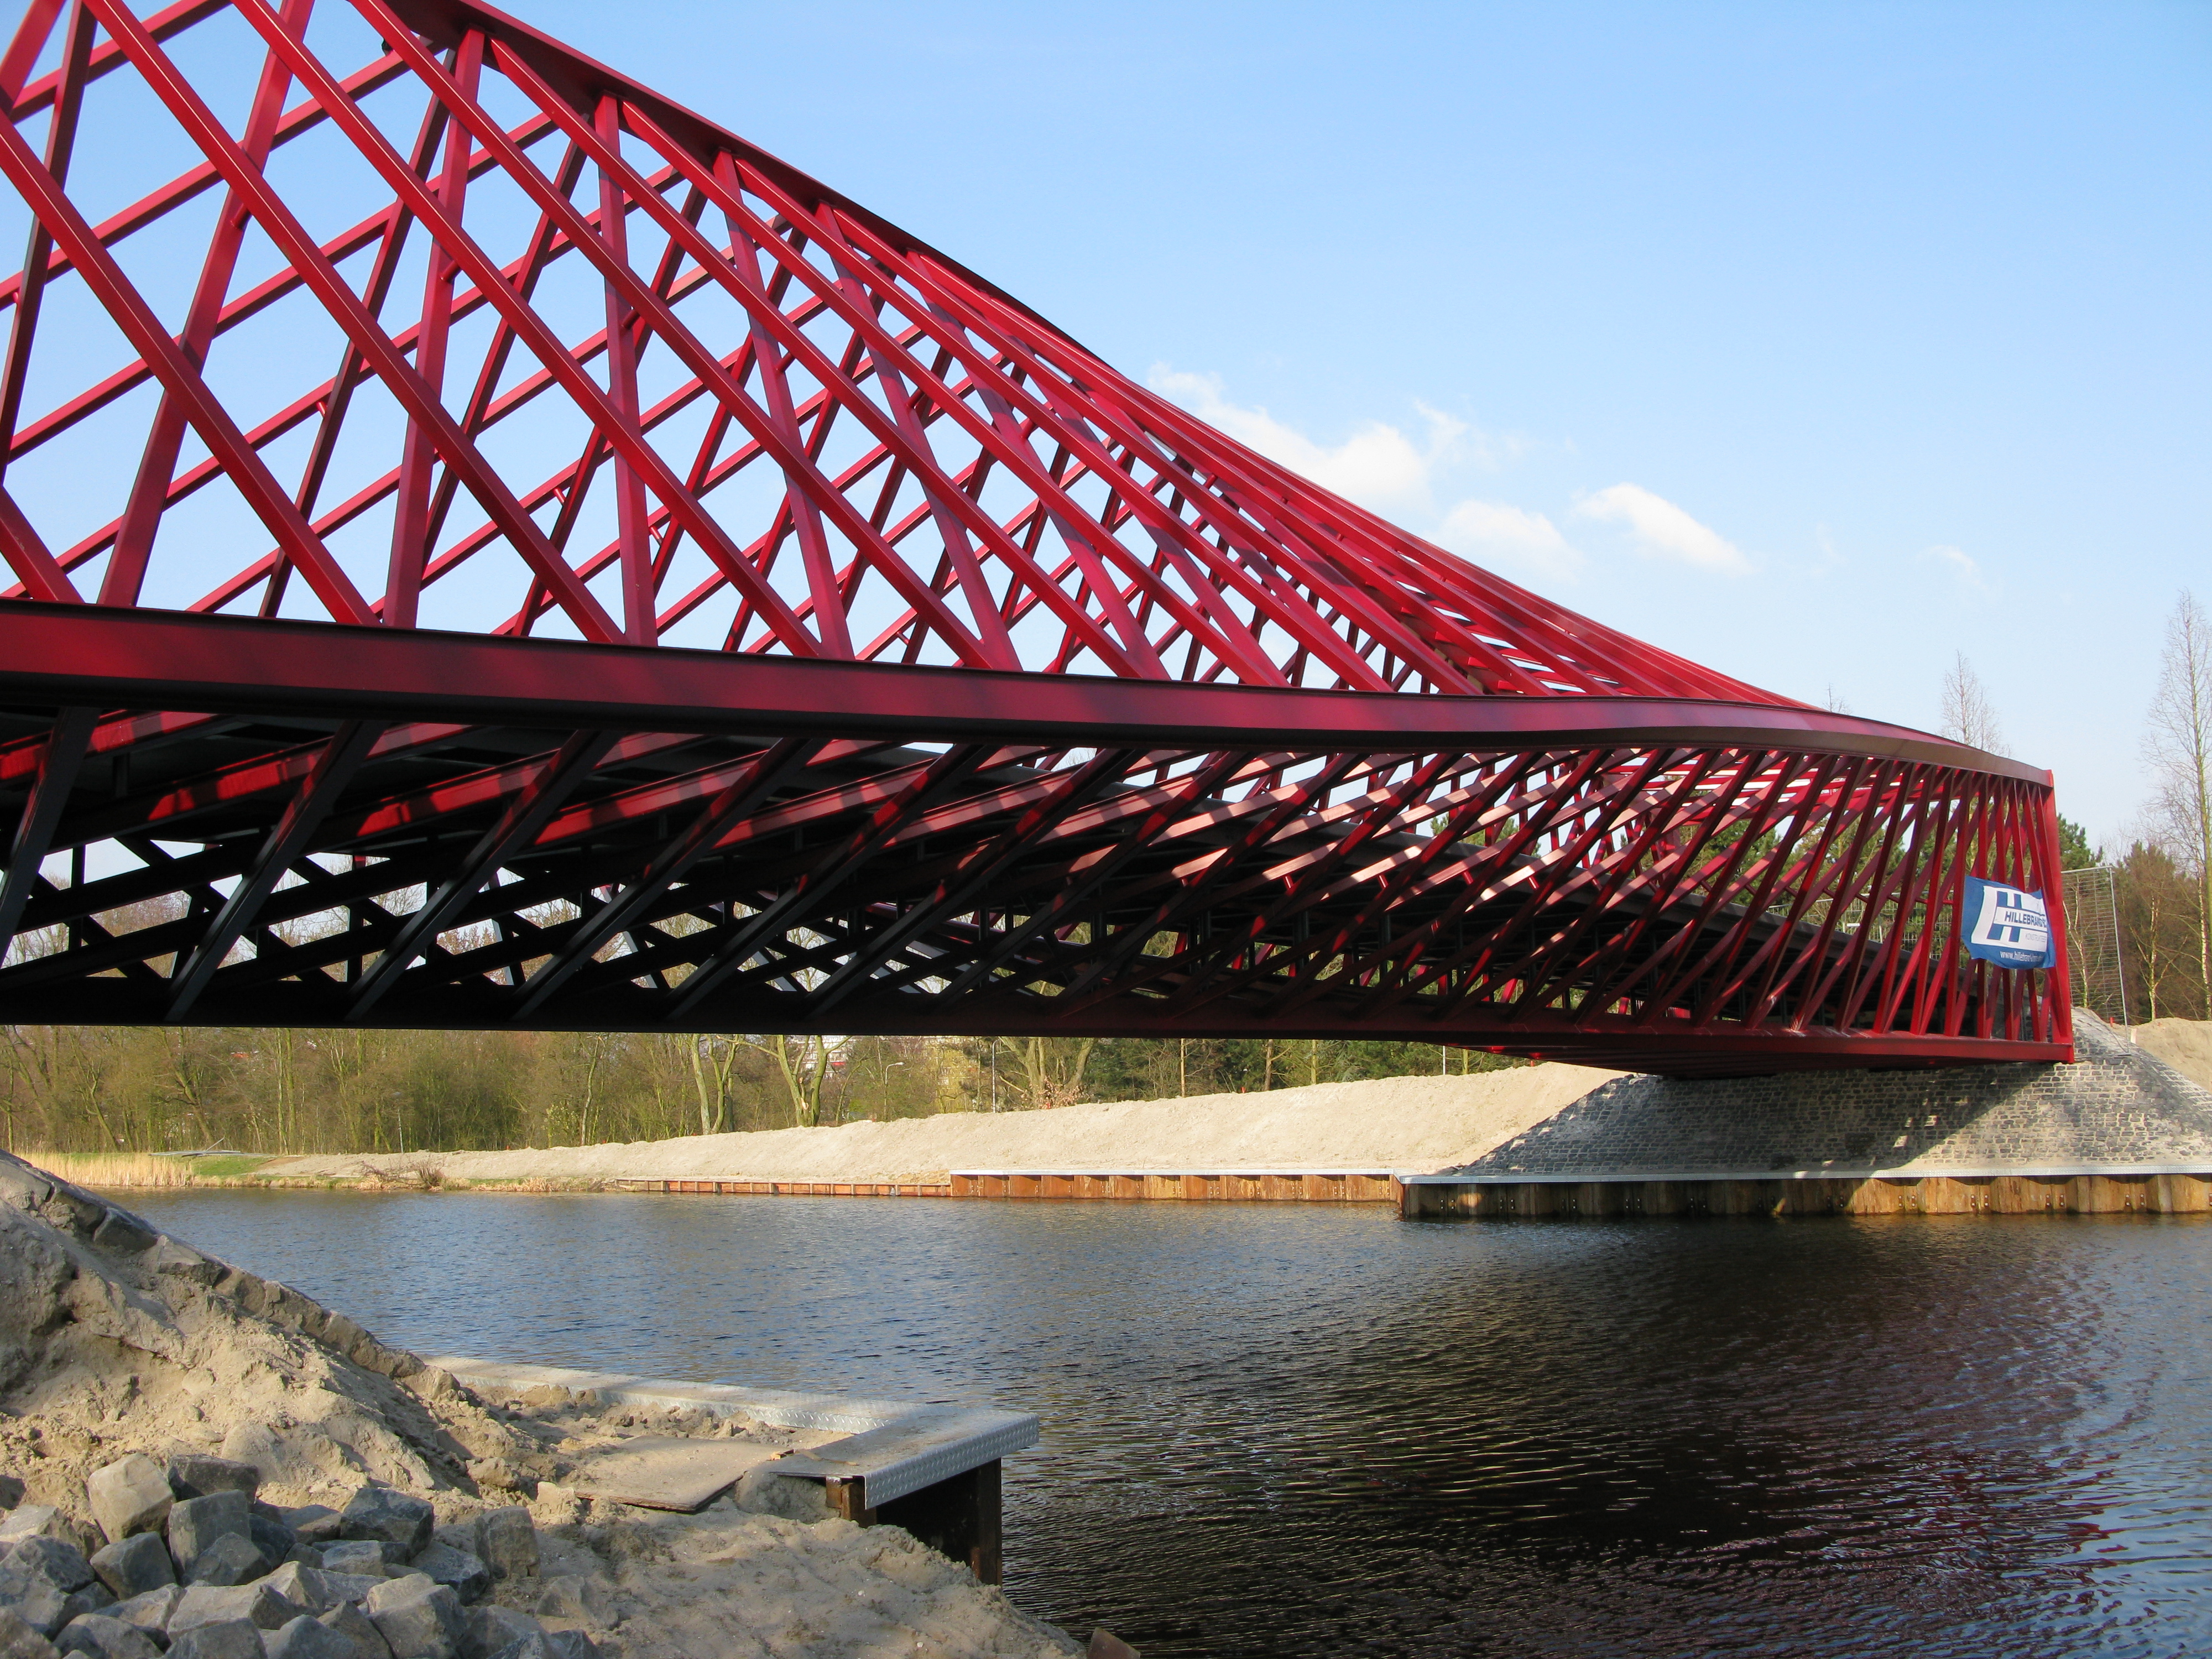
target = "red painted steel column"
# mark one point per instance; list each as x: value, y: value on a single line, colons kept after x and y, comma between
x: 2059, y: 976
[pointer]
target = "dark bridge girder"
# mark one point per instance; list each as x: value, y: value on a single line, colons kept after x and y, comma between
x: 560, y: 852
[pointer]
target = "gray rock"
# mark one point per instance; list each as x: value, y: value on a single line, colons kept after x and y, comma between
x: 464, y: 1574
x: 397, y: 1518
x: 417, y: 1618
x: 18, y: 1641
x: 195, y: 1523
x: 345, y: 1586
x: 208, y: 1604
x: 124, y: 1234
x: 60, y: 1563
x: 95, y: 1597
x: 277, y: 1541
x: 11, y: 1490
x: 306, y: 1638
x: 104, y: 1638
x: 571, y: 1644
x: 232, y: 1558
x: 130, y: 1495
x: 36, y: 1603
x: 235, y: 1640
x: 585, y: 1597
x: 313, y: 1523
x: 531, y: 1645
x: 349, y: 1621
x: 362, y: 1556
x: 42, y: 1580
x: 260, y: 1446
x: 197, y: 1474
x: 510, y: 1542
x: 150, y: 1611
x: 177, y: 1260
x: 466, y: 1533
x: 133, y: 1566
x: 303, y: 1587
x: 492, y: 1628
x: 34, y: 1521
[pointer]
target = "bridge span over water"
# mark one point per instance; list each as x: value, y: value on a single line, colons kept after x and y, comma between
x: 491, y: 548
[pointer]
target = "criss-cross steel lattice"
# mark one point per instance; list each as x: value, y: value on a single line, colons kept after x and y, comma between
x: 491, y: 547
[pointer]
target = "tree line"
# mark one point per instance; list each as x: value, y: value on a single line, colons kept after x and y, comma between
x: 171, y: 1089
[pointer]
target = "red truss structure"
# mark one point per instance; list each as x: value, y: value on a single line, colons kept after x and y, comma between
x: 491, y: 548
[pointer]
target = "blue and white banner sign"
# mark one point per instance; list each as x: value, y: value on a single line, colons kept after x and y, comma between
x: 2008, y: 926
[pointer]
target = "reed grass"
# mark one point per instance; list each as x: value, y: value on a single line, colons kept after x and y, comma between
x: 144, y: 1169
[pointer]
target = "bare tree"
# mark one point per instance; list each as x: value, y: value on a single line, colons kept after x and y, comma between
x: 1051, y: 1068
x: 710, y: 1075
x: 1968, y: 715
x: 2177, y: 744
x: 803, y: 1064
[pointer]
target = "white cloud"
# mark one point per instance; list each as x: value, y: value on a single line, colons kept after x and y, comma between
x: 1377, y: 466
x: 1380, y: 467
x: 1664, y: 530
x: 1960, y: 564
x: 1490, y: 532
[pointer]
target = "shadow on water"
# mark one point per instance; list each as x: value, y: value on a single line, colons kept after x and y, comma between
x: 1299, y: 1429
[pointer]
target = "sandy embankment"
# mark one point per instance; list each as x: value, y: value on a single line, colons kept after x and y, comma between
x: 115, y: 1340
x: 2183, y: 1044
x: 1411, y: 1123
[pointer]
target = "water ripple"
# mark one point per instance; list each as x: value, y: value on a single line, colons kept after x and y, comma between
x: 1301, y: 1430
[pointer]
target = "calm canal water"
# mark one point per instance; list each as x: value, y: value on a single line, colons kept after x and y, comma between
x: 1290, y: 1429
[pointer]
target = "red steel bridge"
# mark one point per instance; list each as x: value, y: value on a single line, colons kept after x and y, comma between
x: 490, y: 548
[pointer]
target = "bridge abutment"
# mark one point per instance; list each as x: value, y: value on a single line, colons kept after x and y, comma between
x: 2118, y: 1132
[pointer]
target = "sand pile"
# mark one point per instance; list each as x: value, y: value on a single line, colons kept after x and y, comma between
x: 2183, y: 1044
x: 1410, y: 1124
x: 164, y: 1416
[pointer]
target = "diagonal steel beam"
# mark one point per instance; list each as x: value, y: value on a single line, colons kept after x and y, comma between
x: 286, y: 844
x: 42, y: 811
x: 38, y: 256
x: 150, y: 490
x: 1093, y: 872
x: 1535, y: 811
x: 758, y: 780
x: 337, y: 295
x: 1191, y: 896
x: 516, y: 828
x: 960, y: 889
x: 831, y: 873
x: 179, y: 375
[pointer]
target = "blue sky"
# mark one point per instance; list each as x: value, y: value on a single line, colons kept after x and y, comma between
x: 1817, y: 342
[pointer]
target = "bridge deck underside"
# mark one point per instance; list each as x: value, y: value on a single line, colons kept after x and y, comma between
x: 1657, y: 903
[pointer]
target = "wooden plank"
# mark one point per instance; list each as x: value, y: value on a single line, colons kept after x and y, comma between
x: 660, y: 1472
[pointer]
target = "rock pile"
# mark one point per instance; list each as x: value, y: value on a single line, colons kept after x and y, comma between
x: 200, y: 1463
x: 195, y: 1565
x: 179, y: 1552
